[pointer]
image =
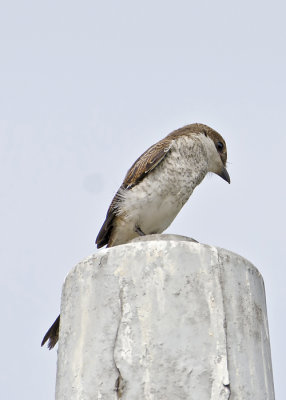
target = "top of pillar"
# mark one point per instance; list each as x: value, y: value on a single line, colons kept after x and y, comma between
x: 157, y: 236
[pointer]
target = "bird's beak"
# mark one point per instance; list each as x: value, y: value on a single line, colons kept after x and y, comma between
x: 224, y: 175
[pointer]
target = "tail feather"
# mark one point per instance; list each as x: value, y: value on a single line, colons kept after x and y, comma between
x: 52, y: 335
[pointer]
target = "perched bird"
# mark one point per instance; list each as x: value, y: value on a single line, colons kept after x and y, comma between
x: 157, y: 186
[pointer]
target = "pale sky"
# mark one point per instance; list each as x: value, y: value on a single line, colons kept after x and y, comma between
x: 85, y: 88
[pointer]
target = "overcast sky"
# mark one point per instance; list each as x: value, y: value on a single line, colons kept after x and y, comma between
x: 85, y: 88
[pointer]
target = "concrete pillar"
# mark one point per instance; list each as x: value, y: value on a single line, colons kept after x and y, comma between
x: 164, y: 319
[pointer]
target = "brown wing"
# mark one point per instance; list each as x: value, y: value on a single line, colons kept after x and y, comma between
x: 142, y: 166
x: 147, y: 162
x: 105, y: 231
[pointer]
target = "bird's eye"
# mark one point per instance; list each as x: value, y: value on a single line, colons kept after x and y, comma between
x: 219, y: 146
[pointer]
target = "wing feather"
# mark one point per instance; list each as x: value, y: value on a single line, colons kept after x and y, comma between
x: 147, y: 162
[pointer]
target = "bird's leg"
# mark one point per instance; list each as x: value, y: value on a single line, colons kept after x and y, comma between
x: 138, y: 230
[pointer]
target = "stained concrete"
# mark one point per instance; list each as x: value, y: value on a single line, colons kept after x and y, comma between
x: 164, y: 319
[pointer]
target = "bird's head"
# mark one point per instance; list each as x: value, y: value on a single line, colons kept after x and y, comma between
x: 213, y: 144
x: 217, y: 152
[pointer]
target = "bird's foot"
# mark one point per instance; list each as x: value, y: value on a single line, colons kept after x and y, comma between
x: 139, y: 231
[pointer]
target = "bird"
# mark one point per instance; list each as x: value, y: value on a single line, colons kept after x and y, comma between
x: 157, y: 186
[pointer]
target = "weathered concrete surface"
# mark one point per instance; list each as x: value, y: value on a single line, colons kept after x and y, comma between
x: 164, y: 319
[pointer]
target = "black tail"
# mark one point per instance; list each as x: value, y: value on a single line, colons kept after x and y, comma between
x: 52, y: 335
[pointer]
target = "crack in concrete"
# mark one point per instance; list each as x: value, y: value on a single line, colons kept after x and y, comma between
x: 119, y: 383
x: 220, y: 264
